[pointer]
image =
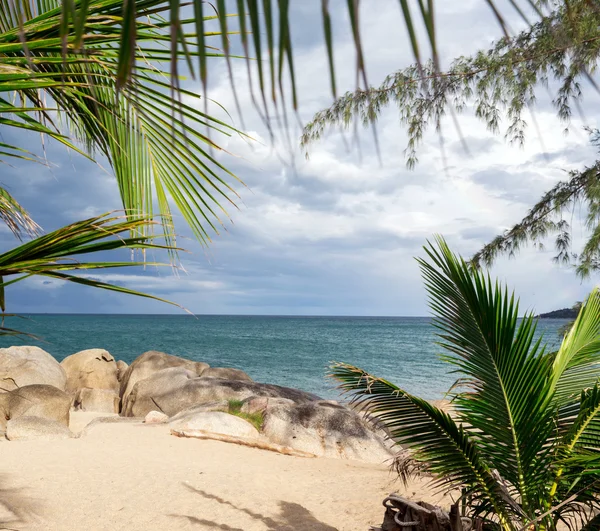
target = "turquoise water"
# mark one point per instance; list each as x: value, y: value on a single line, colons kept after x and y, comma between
x: 290, y: 351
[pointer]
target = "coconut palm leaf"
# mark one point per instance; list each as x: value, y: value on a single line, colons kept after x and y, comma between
x: 577, y: 363
x: 61, y: 252
x: 271, y: 24
x: 16, y: 218
x: 516, y: 421
x: 152, y: 132
x: 507, y: 399
x: 436, y: 440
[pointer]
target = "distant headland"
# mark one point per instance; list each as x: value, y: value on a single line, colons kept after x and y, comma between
x: 565, y: 313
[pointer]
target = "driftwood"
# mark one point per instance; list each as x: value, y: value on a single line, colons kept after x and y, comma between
x: 405, y: 515
x: 252, y: 443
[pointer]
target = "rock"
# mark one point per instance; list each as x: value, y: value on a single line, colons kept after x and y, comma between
x: 324, y: 429
x: 173, y: 390
x: 259, y: 404
x: 214, y: 422
x: 30, y: 427
x: 101, y: 400
x: 121, y: 369
x: 150, y: 363
x: 45, y: 401
x: 155, y: 417
x: 94, y: 368
x: 222, y: 405
x: 226, y: 373
x: 21, y: 366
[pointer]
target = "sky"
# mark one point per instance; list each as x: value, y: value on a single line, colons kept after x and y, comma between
x: 336, y: 234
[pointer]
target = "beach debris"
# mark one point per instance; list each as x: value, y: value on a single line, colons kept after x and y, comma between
x: 252, y: 443
x: 402, y: 514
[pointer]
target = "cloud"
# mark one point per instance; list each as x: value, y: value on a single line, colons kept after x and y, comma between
x: 337, y: 233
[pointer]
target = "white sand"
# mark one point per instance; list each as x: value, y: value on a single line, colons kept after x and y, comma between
x: 139, y: 477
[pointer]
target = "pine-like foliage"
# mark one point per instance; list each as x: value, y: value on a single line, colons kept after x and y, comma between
x: 559, y: 53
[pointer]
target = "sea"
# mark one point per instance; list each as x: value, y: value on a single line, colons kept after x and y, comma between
x: 289, y: 351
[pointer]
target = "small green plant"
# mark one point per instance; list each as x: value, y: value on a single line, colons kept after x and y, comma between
x: 523, y: 442
x: 256, y: 419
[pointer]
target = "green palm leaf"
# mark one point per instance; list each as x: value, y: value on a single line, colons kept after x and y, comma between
x: 151, y: 132
x: 60, y: 252
x: 508, y: 396
x: 577, y: 362
x: 434, y: 438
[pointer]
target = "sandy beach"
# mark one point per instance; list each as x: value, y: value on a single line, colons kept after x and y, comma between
x: 139, y: 477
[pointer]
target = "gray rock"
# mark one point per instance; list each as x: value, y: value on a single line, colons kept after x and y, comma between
x: 101, y: 400
x: 45, y: 401
x: 20, y: 366
x: 152, y: 362
x: 226, y: 373
x: 94, y: 368
x: 173, y: 390
x: 324, y: 429
x: 221, y: 405
x: 214, y: 422
x: 30, y: 427
x: 121, y: 370
x: 259, y: 404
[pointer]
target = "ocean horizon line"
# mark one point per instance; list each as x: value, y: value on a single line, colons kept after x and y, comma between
x: 325, y: 316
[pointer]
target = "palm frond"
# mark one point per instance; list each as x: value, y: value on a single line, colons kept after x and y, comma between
x: 577, y: 362
x: 153, y: 133
x: 16, y: 218
x: 508, y: 397
x: 432, y: 436
x: 274, y: 20
x: 61, y: 252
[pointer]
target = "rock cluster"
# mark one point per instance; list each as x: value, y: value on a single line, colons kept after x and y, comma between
x: 195, y: 400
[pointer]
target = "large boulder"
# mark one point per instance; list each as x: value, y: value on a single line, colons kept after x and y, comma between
x: 99, y: 400
x: 45, y: 401
x: 324, y: 428
x: 226, y: 373
x: 20, y: 366
x: 94, y: 368
x: 152, y: 362
x: 173, y: 390
x: 29, y: 427
x: 214, y: 422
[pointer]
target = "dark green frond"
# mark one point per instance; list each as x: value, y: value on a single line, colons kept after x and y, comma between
x: 433, y: 437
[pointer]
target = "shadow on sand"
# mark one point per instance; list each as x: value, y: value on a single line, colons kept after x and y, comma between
x: 292, y: 517
x: 16, y: 507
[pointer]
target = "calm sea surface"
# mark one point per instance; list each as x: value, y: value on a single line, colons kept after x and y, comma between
x: 290, y: 351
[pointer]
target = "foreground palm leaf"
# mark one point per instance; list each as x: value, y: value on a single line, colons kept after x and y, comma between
x: 524, y: 438
x: 153, y: 133
x: 61, y: 252
x: 270, y: 41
